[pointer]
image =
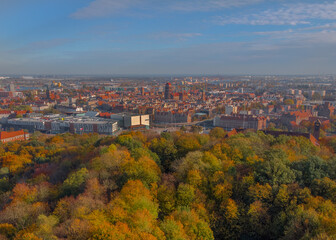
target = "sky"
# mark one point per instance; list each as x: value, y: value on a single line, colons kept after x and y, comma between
x: 171, y: 37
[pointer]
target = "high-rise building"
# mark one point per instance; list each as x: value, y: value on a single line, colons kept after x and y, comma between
x: 12, y: 87
x: 48, y: 93
x: 168, y: 91
x: 203, y: 96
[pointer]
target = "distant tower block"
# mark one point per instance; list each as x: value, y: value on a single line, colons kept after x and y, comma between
x: 203, y: 96
x: 142, y: 91
x: 12, y: 87
x: 168, y: 90
x: 317, y: 128
x: 48, y: 93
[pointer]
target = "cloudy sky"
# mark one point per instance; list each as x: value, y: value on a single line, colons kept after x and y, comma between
x: 167, y: 37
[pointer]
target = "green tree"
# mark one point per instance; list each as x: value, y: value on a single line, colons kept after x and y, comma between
x: 217, y: 132
x: 310, y: 169
x: 74, y: 184
x: 166, y: 151
x: 275, y: 170
x: 185, y: 195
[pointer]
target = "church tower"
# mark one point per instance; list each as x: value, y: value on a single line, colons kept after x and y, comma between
x: 317, y: 128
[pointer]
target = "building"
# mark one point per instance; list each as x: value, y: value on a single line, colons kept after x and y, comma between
x: 5, y: 94
x: 229, y: 122
x: 309, y: 136
x: 326, y: 110
x: 172, y: 117
x: 5, y: 114
x: 69, y: 109
x: 231, y: 110
x: 48, y: 93
x: 168, y: 91
x: 131, y: 121
x: 93, y: 126
x: 12, y: 87
x: 317, y: 129
x: 13, y: 136
x: 295, y: 117
x: 298, y: 92
x: 29, y: 124
x: 58, y: 124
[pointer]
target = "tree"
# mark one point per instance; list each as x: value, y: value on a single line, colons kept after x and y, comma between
x: 258, y: 220
x: 166, y: 198
x: 45, y: 227
x: 129, y: 142
x: 187, y: 143
x: 303, y: 225
x: 275, y: 170
x: 226, y: 221
x: 206, y: 163
x: 196, y: 129
x: 289, y: 102
x: 74, y: 184
x: 13, y: 162
x: 217, y: 132
x: 144, y: 169
x: 310, y: 169
x: 185, y: 195
x: 166, y: 151
x: 136, y: 207
x: 324, y: 187
x: 193, y: 225
x: 173, y: 230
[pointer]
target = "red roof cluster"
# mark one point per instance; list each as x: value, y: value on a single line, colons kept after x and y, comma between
x: 105, y: 115
x: 5, y: 135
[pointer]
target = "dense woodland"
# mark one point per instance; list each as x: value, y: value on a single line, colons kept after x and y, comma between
x: 171, y: 186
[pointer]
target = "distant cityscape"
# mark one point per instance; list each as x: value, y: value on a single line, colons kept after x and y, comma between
x: 108, y: 106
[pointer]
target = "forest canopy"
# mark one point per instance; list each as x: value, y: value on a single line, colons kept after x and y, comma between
x: 172, y: 186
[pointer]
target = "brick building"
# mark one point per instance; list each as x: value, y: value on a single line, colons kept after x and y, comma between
x: 172, y: 117
x: 295, y: 117
x: 13, y: 136
x: 229, y: 122
x: 326, y: 110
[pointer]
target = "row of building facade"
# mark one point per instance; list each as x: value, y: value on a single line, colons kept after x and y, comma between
x: 78, y: 124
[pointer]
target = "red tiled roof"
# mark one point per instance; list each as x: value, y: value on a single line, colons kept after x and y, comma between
x: 313, y: 140
x: 4, y: 135
x: 300, y: 114
x: 293, y: 123
x: 5, y: 112
x: 242, y: 117
x: 106, y: 114
x: 20, y: 112
x: 232, y: 133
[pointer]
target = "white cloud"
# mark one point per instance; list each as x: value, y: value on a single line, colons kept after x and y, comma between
x: 207, y: 5
x: 290, y: 14
x: 103, y: 8
x: 40, y: 46
x: 302, y: 37
x: 174, y: 36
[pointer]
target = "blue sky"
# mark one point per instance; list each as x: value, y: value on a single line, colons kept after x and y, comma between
x: 167, y: 37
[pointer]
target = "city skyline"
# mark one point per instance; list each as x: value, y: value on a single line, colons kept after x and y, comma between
x: 167, y: 37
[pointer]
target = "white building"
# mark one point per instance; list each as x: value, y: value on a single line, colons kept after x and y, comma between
x: 130, y: 121
x: 231, y: 110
